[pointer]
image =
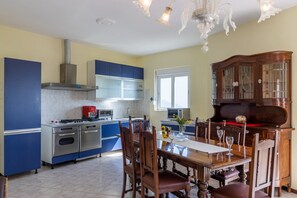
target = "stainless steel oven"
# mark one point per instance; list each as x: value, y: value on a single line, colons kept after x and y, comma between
x: 65, y: 140
x: 90, y: 137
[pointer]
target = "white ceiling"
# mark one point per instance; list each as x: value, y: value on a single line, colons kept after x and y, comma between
x: 133, y: 32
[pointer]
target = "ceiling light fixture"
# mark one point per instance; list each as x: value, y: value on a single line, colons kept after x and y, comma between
x: 206, y: 13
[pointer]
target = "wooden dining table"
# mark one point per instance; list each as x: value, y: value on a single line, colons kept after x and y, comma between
x: 204, y: 163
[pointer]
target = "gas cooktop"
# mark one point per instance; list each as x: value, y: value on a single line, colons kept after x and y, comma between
x: 66, y: 121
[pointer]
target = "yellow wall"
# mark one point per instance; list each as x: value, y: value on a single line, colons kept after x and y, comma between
x: 21, y: 44
x: 277, y: 33
x: 199, y: 74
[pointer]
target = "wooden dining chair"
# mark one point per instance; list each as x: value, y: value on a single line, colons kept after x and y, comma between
x: 262, y: 172
x: 159, y: 182
x: 202, y: 129
x: 3, y: 187
x: 231, y: 174
x: 130, y: 166
x: 136, y: 123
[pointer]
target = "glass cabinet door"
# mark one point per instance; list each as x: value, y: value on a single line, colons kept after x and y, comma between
x: 228, y: 86
x: 246, y: 82
x: 109, y: 87
x: 275, y: 80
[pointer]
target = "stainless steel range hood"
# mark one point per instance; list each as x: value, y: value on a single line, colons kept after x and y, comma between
x: 68, y: 75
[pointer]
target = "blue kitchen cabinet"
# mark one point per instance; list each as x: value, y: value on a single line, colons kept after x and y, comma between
x: 22, y: 153
x: 190, y: 130
x: 173, y: 127
x: 101, y: 67
x: 118, y: 70
x: 22, y: 115
x: 138, y: 73
x: 110, y: 137
x: 108, y: 69
x: 127, y: 71
x: 115, y: 69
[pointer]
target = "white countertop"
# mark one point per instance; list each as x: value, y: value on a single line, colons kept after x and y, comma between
x: 101, y: 122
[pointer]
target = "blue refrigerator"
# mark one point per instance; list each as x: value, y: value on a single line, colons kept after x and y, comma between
x: 20, y: 117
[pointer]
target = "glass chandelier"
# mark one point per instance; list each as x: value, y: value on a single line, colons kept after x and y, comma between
x: 206, y: 14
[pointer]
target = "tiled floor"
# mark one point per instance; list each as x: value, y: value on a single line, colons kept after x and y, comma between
x: 92, y: 178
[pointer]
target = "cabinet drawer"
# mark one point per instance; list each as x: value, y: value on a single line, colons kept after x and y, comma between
x: 109, y: 130
x: 111, y: 145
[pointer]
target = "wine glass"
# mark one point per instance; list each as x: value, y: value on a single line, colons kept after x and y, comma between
x: 171, y: 137
x: 220, y: 135
x: 229, y: 141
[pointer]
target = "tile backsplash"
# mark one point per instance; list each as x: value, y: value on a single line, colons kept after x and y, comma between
x: 59, y: 104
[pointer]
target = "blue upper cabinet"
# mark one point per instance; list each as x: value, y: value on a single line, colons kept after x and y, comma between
x: 102, y: 67
x: 22, y: 95
x: 114, y: 69
x: 138, y: 73
x: 127, y: 71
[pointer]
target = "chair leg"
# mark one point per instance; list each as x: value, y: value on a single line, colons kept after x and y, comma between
x: 6, y: 188
x: 142, y: 191
x: 279, y: 191
x: 187, y: 191
x: 124, y: 184
x: 134, y: 187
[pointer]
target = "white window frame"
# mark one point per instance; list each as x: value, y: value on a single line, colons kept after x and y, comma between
x: 170, y: 73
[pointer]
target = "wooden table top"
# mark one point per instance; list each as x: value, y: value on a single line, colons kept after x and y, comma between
x: 194, y: 158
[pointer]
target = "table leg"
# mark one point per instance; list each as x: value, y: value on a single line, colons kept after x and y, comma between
x: 202, y: 189
x: 242, y: 174
x: 203, y: 174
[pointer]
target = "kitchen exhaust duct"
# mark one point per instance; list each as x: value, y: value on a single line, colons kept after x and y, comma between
x: 68, y: 74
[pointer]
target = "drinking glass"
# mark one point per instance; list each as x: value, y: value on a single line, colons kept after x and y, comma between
x: 229, y: 141
x: 220, y: 135
x: 171, y: 137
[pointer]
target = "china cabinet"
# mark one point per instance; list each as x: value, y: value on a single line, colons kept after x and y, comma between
x: 258, y: 87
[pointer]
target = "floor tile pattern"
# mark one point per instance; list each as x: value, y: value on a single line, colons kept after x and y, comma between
x: 90, y: 178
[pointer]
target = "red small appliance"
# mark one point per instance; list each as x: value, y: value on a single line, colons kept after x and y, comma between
x: 89, y: 111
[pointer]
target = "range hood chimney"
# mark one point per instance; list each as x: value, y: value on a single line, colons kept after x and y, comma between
x: 68, y: 74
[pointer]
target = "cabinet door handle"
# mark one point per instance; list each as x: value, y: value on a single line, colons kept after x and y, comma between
x: 259, y: 81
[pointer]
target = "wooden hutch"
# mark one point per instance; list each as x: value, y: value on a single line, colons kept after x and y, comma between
x: 258, y: 87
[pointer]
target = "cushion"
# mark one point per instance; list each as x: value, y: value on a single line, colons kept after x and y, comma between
x: 236, y: 190
x: 167, y: 180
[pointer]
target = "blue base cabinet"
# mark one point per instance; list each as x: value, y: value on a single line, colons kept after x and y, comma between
x: 190, y: 130
x: 110, y: 137
x: 22, y: 153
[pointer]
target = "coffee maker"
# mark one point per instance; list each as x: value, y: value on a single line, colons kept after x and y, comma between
x: 89, y: 112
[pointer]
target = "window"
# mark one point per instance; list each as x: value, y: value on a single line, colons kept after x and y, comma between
x: 172, y: 88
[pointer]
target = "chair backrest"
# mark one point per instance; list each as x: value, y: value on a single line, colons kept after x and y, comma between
x: 136, y: 123
x: 263, y: 165
x: 127, y: 144
x: 238, y: 132
x: 148, y: 154
x: 202, y: 129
